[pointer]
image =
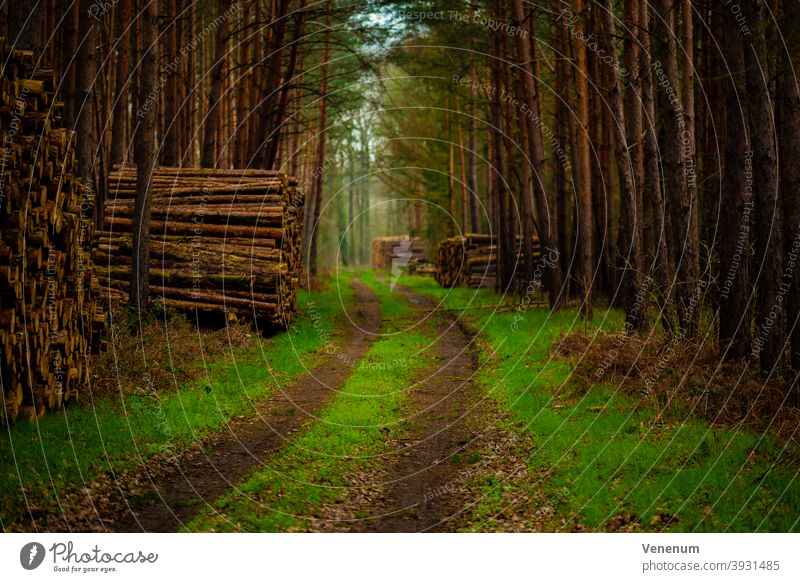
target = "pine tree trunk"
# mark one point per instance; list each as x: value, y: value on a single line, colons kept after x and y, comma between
x: 630, y: 249
x: 768, y: 235
x: 790, y: 179
x: 652, y: 181
x: 548, y: 226
x: 169, y: 131
x: 320, y: 156
x: 583, y: 168
x: 145, y: 154
x: 86, y: 66
x: 119, y: 146
x: 735, y: 315
x: 208, y: 159
x: 472, y: 168
x: 679, y: 179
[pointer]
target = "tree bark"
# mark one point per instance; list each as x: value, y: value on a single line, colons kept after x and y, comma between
x: 472, y: 168
x: 208, y: 160
x: 319, y: 174
x: 583, y: 168
x: 548, y: 226
x: 679, y: 177
x: 169, y: 133
x: 790, y: 178
x: 145, y: 155
x: 768, y: 235
x: 631, y: 250
x: 735, y: 314
x: 86, y: 67
x: 119, y: 146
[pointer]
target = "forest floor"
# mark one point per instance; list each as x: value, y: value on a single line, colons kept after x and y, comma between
x: 395, y: 406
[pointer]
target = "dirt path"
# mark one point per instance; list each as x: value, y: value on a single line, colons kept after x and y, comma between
x: 423, y: 490
x: 165, y: 494
x: 199, y: 476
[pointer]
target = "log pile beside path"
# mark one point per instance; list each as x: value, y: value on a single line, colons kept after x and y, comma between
x: 50, y: 323
x: 223, y: 242
x: 396, y: 250
x: 471, y: 261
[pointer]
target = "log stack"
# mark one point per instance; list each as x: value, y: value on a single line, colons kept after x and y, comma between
x: 223, y: 242
x: 50, y: 321
x: 396, y: 250
x: 471, y: 260
x: 421, y: 267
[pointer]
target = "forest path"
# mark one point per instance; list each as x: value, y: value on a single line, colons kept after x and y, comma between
x: 422, y: 489
x: 168, y: 495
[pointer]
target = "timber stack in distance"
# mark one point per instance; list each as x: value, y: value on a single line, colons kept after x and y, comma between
x: 222, y: 243
x: 471, y: 261
x: 50, y: 321
x: 389, y: 251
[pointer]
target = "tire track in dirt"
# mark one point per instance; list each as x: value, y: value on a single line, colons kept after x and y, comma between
x: 422, y: 491
x: 166, y: 493
x: 204, y: 474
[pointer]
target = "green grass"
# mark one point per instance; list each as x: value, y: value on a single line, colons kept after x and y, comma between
x: 346, y: 437
x: 604, y: 458
x: 84, y: 441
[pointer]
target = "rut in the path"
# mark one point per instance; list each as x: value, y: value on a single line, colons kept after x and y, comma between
x: 203, y: 474
x: 164, y: 496
x: 420, y: 492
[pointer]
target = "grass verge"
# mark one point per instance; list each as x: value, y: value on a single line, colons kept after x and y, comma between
x: 606, y: 461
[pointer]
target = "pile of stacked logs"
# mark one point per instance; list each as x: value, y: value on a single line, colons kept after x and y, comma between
x: 388, y: 251
x: 50, y: 322
x: 222, y: 242
x: 471, y: 260
x: 424, y: 267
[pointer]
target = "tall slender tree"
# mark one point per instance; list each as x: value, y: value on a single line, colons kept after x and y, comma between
x: 208, y: 159
x: 145, y: 154
x: 735, y: 314
x: 768, y: 233
x: 582, y: 170
x: 630, y: 247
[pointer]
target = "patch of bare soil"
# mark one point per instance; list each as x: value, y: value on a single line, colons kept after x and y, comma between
x: 678, y: 378
x: 163, y: 494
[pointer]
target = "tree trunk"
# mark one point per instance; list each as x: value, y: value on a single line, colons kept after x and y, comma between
x: 218, y: 66
x: 735, y: 315
x: 631, y: 250
x: 547, y: 225
x: 463, y: 177
x: 119, y: 146
x: 583, y: 168
x: 169, y: 133
x: 472, y: 168
x: 320, y: 157
x: 679, y: 177
x: 652, y: 181
x: 145, y: 155
x: 770, y: 292
x: 86, y: 63
x: 790, y: 179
